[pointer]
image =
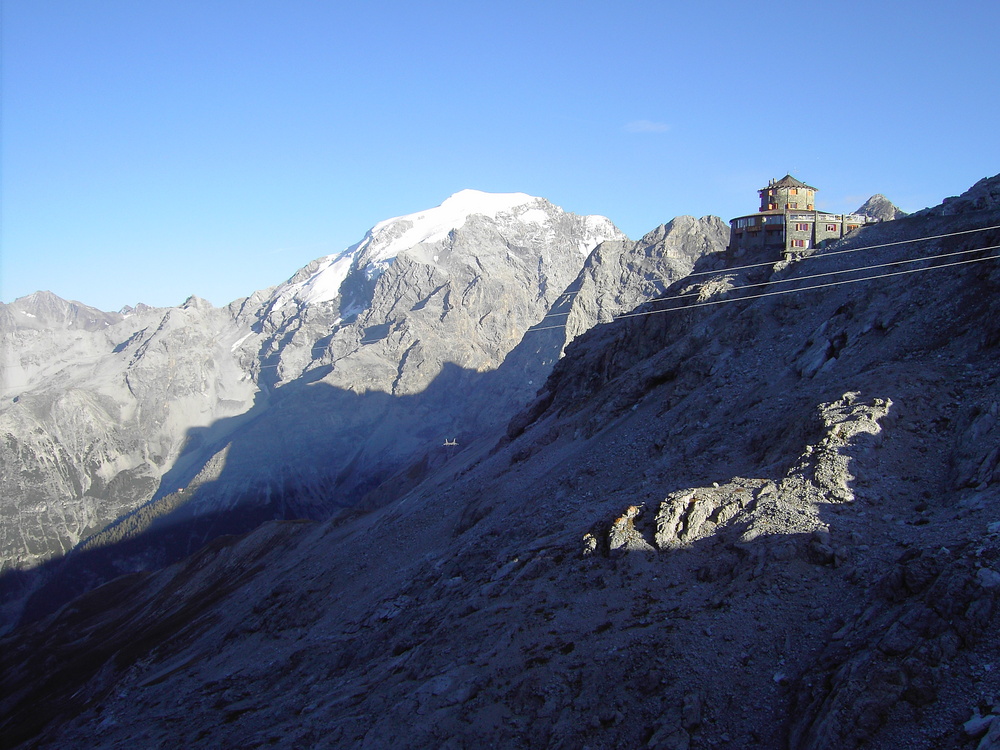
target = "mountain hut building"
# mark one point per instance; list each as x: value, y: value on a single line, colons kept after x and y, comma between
x: 788, y: 222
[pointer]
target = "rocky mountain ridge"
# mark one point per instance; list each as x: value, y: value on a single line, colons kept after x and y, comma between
x: 739, y: 517
x: 880, y: 208
x: 301, y: 399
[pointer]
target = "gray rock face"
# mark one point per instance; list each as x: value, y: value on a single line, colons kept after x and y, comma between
x: 619, y: 276
x: 489, y: 280
x: 444, y: 286
x: 880, y: 208
x: 96, y: 406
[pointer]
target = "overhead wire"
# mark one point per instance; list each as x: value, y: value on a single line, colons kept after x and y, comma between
x: 791, y: 291
x: 817, y: 256
x: 816, y: 286
x: 691, y: 292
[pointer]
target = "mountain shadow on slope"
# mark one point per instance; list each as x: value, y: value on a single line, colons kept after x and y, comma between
x: 275, y: 463
x: 238, y: 492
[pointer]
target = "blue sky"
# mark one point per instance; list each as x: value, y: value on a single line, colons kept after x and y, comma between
x: 160, y: 148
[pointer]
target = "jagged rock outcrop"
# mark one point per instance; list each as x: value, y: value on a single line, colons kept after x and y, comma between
x: 619, y: 276
x: 880, y: 208
x: 983, y: 196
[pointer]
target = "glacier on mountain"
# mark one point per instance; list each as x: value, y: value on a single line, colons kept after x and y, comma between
x: 415, y: 233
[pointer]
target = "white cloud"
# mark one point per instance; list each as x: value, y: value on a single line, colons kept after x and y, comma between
x: 646, y: 126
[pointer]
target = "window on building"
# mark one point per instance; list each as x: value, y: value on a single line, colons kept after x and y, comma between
x: 794, y: 191
x: 851, y: 227
x: 800, y: 243
x: 793, y: 205
x: 831, y: 227
x: 801, y: 227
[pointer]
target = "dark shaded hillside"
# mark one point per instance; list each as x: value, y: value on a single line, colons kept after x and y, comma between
x: 772, y: 522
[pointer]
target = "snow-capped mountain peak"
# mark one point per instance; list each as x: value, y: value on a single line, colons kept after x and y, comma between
x: 393, y: 235
x: 321, y: 280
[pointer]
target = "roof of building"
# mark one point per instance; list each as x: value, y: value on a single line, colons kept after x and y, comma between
x: 788, y: 181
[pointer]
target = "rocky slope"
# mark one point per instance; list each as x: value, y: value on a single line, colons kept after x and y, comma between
x: 336, y: 388
x: 727, y: 520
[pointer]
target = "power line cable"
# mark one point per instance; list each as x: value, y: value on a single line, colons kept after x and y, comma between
x: 814, y: 286
x: 821, y: 255
x: 689, y: 293
x: 786, y: 291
